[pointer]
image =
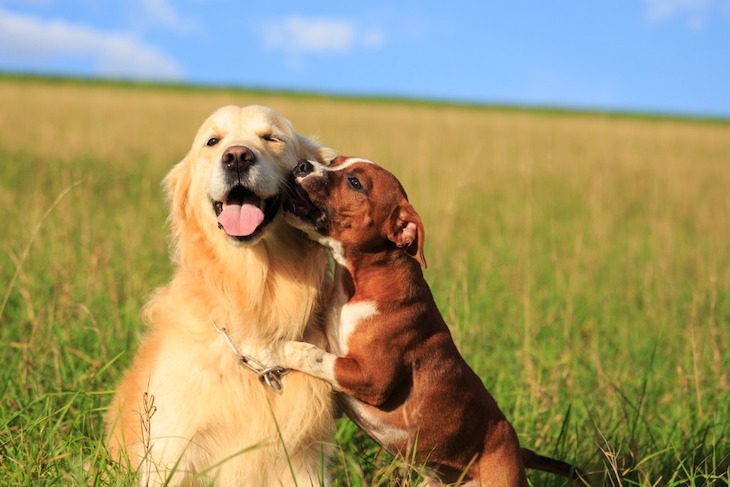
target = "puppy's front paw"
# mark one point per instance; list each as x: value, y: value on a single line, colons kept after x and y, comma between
x: 300, y: 355
x: 309, y: 359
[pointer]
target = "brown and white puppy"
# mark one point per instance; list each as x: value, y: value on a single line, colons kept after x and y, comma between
x: 403, y: 379
x: 186, y: 410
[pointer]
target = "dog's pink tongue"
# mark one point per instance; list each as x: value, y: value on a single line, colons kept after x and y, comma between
x: 240, y: 220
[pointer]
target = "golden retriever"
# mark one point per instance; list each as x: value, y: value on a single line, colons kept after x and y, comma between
x: 187, y: 410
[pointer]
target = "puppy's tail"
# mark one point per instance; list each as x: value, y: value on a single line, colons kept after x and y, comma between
x: 546, y: 464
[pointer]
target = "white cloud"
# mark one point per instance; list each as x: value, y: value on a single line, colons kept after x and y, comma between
x: 694, y: 12
x: 373, y: 38
x: 163, y: 13
x: 112, y: 53
x: 318, y: 35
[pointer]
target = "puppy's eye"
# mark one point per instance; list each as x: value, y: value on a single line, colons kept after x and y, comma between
x: 355, y: 183
x: 212, y: 141
x: 271, y: 138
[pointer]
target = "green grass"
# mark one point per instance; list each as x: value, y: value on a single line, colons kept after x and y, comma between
x: 582, y: 261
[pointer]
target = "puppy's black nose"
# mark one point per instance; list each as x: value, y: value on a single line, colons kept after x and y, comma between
x: 303, y: 168
x: 238, y: 158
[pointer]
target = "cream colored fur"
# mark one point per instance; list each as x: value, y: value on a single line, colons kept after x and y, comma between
x: 186, y: 409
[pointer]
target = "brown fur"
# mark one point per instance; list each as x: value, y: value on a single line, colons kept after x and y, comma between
x: 186, y: 404
x: 403, y: 379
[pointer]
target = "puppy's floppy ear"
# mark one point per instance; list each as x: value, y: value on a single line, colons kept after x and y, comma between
x: 406, y: 231
x: 311, y: 150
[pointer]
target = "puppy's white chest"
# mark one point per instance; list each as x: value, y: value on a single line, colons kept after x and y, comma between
x: 343, y: 321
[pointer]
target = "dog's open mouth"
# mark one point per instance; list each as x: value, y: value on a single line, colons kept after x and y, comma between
x: 302, y: 207
x: 244, y: 214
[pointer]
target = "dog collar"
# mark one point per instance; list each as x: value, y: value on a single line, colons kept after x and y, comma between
x: 270, y: 376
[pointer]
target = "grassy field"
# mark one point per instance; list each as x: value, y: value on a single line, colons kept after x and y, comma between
x: 582, y: 261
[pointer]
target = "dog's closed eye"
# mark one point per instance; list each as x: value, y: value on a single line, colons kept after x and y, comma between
x: 271, y: 138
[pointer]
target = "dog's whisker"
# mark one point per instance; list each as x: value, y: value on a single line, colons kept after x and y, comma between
x: 286, y: 186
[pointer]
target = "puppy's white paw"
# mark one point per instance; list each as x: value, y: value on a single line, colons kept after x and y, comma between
x: 309, y: 359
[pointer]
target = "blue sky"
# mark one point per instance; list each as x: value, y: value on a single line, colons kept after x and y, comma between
x: 665, y: 56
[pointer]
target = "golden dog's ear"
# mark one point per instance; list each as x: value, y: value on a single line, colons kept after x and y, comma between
x: 311, y: 150
x: 406, y: 231
x: 177, y: 184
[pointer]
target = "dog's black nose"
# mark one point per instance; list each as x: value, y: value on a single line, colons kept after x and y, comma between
x: 238, y: 158
x: 303, y: 168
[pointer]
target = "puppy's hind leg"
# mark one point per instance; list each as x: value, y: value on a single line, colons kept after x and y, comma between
x: 501, y: 463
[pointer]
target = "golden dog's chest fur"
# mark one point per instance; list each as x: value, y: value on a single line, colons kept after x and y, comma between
x: 186, y: 409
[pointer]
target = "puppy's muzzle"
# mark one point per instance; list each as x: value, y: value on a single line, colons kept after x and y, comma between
x: 237, y: 160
